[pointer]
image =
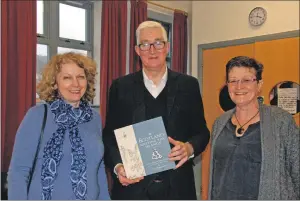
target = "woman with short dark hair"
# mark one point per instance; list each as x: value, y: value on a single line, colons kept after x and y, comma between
x: 255, y: 148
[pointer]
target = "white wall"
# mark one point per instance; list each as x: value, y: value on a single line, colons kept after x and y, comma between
x: 215, y: 21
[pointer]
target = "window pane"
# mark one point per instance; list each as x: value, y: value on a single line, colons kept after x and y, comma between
x: 40, y: 17
x: 61, y: 50
x: 72, y: 22
x: 42, y: 59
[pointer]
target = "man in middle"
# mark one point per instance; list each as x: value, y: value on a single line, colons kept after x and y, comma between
x: 152, y: 92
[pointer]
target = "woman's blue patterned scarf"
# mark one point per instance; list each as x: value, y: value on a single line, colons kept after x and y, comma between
x: 67, y: 118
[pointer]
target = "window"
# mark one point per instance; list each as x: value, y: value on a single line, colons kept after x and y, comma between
x: 63, y: 26
x: 62, y: 50
x: 41, y: 60
x: 167, y: 23
x: 40, y: 17
x: 72, y: 22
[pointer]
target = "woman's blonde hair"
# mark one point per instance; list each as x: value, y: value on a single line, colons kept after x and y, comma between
x: 46, y: 87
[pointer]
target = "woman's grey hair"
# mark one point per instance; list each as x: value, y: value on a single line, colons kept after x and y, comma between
x: 246, y: 62
x: 150, y: 24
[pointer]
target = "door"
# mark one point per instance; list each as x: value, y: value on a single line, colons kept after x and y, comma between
x: 281, y: 63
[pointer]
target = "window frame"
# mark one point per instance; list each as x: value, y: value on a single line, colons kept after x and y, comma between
x: 51, y: 36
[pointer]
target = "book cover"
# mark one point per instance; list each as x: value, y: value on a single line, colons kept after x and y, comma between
x: 144, y: 148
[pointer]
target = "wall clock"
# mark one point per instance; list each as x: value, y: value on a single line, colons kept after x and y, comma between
x: 257, y: 16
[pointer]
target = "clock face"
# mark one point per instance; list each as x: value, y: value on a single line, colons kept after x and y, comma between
x: 257, y: 16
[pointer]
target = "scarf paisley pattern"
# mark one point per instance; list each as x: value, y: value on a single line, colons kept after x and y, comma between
x: 67, y: 118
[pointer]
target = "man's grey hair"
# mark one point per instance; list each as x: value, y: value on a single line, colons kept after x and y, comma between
x: 150, y: 24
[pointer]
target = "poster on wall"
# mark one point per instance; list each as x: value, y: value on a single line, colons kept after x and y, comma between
x: 287, y: 99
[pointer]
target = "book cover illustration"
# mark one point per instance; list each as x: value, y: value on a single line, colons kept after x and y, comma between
x: 144, y: 148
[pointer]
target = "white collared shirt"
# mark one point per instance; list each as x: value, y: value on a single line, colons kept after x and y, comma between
x: 153, y: 89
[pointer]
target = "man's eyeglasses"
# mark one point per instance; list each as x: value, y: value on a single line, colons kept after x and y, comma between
x: 158, y: 45
x: 242, y: 81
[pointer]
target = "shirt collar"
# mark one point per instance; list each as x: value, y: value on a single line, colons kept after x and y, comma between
x: 163, y: 79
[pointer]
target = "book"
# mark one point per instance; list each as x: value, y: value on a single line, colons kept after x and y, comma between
x: 144, y: 148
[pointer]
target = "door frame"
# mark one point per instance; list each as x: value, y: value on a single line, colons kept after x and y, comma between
x: 242, y: 41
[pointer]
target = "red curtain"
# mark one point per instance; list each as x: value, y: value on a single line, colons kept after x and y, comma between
x: 113, y: 53
x: 179, y: 54
x: 18, y: 69
x: 138, y: 15
x: 113, y: 47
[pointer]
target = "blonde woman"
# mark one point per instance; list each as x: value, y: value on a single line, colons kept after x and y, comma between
x: 69, y: 162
